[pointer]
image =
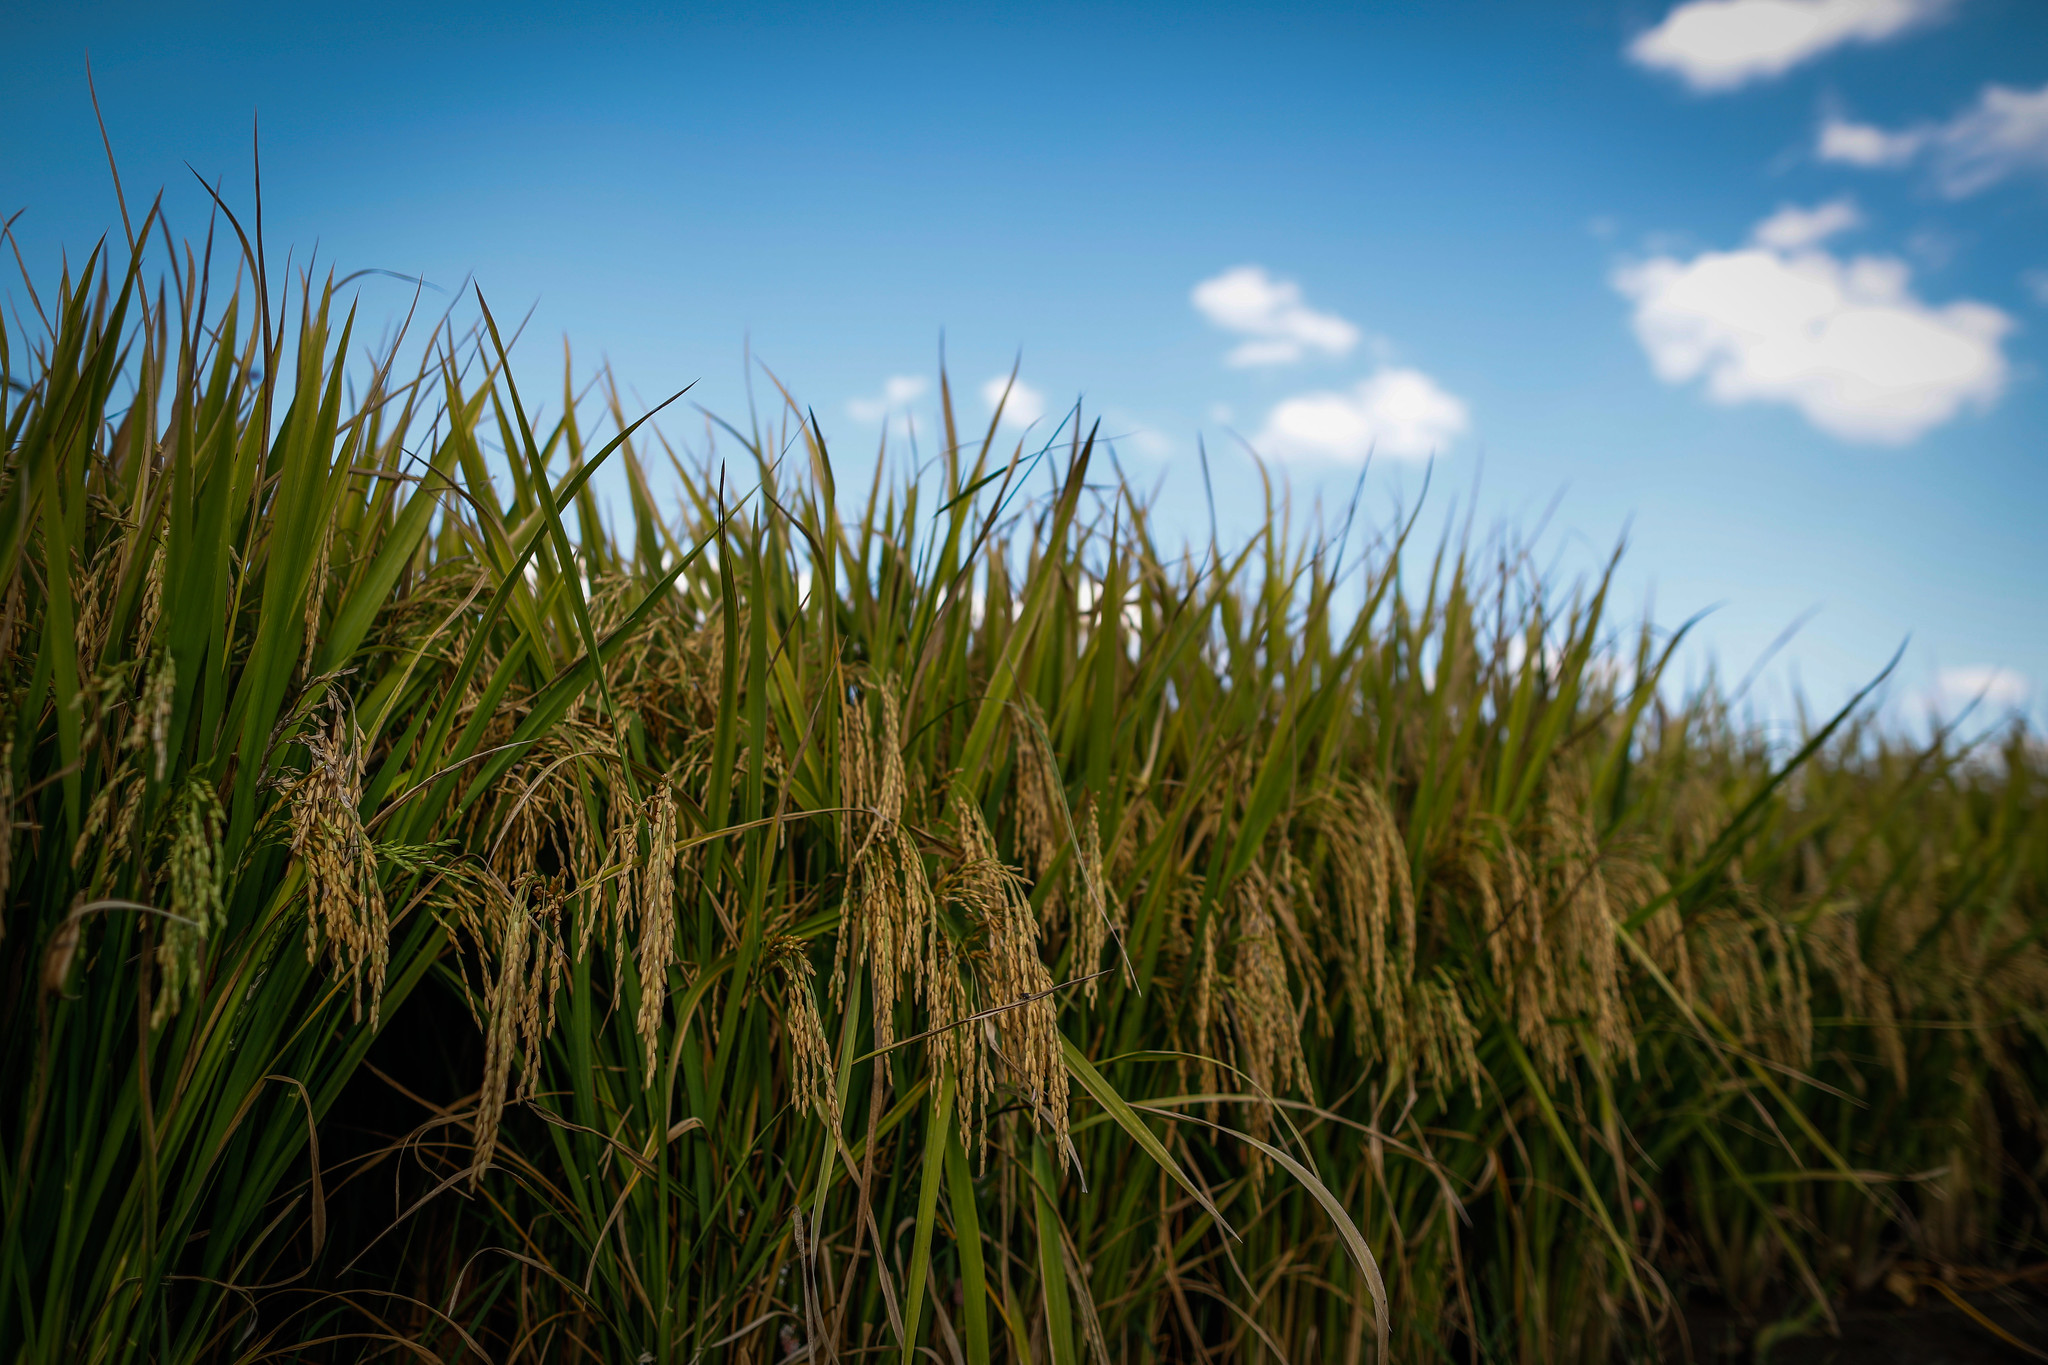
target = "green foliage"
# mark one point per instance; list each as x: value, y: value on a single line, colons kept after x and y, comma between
x: 957, y: 925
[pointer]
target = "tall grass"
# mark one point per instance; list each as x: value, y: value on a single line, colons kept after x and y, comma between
x: 928, y: 917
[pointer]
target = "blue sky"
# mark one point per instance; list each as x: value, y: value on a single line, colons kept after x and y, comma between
x: 1763, y: 282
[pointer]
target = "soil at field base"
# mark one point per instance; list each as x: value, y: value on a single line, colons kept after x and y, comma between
x: 1928, y: 1334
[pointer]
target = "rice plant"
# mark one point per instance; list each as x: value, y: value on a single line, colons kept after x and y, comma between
x: 795, y: 920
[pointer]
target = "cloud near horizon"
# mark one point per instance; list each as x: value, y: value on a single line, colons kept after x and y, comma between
x: 1717, y: 45
x: 899, y: 391
x: 1397, y: 412
x: 2003, y: 134
x: 1986, y: 686
x: 1024, y: 406
x: 1279, y: 329
x: 1845, y: 341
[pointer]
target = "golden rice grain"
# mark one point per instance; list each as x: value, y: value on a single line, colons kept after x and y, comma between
x: 344, y: 901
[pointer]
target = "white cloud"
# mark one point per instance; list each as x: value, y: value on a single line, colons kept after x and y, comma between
x: 2003, y: 134
x: 1127, y: 431
x: 1024, y: 406
x: 1847, y: 342
x: 1722, y: 44
x: 1864, y: 144
x: 1934, y: 247
x: 1792, y: 227
x: 899, y: 391
x: 1279, y: 328
x: 1986, y: 686
x: 1401, y: 413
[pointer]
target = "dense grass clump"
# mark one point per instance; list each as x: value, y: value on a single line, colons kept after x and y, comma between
x: 440, y: 924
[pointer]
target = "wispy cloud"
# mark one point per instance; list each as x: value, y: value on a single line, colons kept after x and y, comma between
x: 2036, y: 283
x: 1865, y: 144
x: 1399, y: 413
x: 1984, y: 686
x: 2005, y: 133
x: 1279, y: 329
x: 1845, y: 341
x: 1128, y: 432
x: 899, y: 391
x: 1792, y: 227
x: 1024, y: 406
x: 1722, y: 44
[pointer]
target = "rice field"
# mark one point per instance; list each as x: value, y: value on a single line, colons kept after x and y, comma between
x: 923, y: 918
